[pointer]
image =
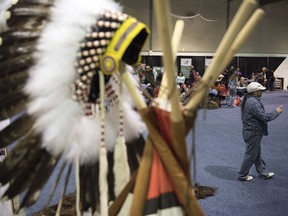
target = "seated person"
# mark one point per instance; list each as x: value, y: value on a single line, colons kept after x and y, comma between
x: 241, y: 86
x: 214, y: 93
x: 223, y: 92
x: 220, y: 89
x: 242, y: 82
x: 180, y: 80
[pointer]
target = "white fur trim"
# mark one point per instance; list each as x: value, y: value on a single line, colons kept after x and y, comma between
x: 121, y: 167
x: 103, y: 185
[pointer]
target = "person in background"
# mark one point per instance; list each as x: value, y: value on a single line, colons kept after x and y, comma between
x: 239, y: 73
x: 223, y: 91
x: 254, y: 119
x: 156, y: 90
x: 261, y: 77
x: 242, y: 84
x: 197, y: 77
x: 180, y: 80
x: 253, y: 77
x: 233, y: 81
x: 225, y: 78
x: 270, y: 79
x: 231, y: 70
x: 214, y: 89
x: 159, y: 76
x: 156, y: 72
x: 192, y: 75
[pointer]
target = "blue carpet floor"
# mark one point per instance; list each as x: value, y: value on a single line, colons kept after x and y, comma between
x: 220, y: 149
x: 219, y: 153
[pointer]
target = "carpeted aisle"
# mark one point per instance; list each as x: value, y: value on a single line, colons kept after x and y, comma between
x: 220, y: 149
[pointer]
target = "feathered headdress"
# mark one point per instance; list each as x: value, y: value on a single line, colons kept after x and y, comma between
x: 57, y: 52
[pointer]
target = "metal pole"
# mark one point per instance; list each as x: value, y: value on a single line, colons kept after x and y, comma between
x: 228, y: 14
x: 150, y: 23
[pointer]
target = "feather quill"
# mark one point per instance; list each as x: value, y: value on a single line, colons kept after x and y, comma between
x: 16, y: 64
x: 134, y: 152
x: 63, y: 166
x: 89, y: 175
x: 93, y: 189
x: 9, y: 98
x: 7, y: 52
x: 47, y: 165
x: 8, y: 168
x: 12, y: 167
x: 38, y: 2
x: 21, y: 15
x: 20, y: 127
x: 12, y: 83
x: 19, y: 35
x: 13, y: 108
x: 27, y: 174
x: 64, y: 190
x: 111, y: 176
x: 23, y: 179
x: 83, y: 186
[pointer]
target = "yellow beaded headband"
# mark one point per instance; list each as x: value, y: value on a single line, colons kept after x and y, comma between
x: 126, y: 45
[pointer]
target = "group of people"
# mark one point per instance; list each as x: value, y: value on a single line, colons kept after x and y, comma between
x: 186, y: 85
x: 190, y: 81
x: 150, y: 81
x: 231, y: 84
x: 231, y: 90
x: 266, y: 78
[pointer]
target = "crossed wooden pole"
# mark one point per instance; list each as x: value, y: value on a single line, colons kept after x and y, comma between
x: 177, y: 165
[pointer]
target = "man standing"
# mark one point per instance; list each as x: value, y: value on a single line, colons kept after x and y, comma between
x: 270, y: 79
x: 255, y: 120
x: 192, y: 75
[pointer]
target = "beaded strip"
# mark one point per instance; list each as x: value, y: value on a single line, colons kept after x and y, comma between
x: 87, y: 64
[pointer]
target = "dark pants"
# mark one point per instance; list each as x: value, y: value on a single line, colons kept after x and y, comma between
x: 253, y: 156
x: 271, y: 82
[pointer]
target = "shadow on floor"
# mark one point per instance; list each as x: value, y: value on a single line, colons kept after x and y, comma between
x: 223, y: 172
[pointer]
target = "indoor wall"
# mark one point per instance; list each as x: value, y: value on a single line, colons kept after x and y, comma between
x: 206, y: 22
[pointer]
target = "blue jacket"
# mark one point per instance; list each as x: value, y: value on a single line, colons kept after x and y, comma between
x: 255, y: 118
x: 232, y: 84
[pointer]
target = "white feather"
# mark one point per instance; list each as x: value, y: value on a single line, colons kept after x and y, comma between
x: 61, y: 120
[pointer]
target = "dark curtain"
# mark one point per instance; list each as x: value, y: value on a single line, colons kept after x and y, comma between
x: 274, y: 62
x: 249, y: 65
x: 199, y: 63
x: 234, y: 62
x: 152, y: 61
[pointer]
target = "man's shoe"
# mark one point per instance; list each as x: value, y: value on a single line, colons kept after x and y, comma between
x: 246, y: 178
x: 269, y: 175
